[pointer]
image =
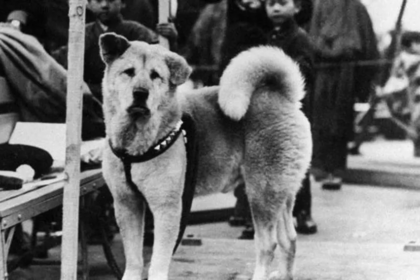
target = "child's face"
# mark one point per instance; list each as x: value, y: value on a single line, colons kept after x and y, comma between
x: 280, y: 11
x: 106, y: 10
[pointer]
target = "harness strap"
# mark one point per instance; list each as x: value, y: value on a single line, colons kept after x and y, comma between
x: 189, y: 130
x: 191, y: 174
x: 133, y: 187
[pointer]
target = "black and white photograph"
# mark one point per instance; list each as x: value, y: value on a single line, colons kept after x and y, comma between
x: 209, y: 139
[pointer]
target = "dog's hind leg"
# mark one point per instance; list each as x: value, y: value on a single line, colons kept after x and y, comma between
x: 265, y: 224
x: 286, y: 236
x: 130, y: 214
x: 273, y: 222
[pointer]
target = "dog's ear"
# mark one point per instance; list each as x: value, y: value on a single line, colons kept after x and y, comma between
x: 178, y: 67
x: 112, y: 46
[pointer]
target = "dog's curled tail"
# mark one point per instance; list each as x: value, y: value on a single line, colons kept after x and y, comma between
x: 253, y: 69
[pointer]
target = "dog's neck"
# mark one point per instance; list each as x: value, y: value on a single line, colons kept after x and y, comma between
x: 137, y: 137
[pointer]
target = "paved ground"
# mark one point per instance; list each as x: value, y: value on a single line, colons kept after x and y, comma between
x: 362, y: 233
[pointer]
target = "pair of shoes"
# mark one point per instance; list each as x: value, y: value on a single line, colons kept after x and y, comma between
x: 305, y: 224
x: 237, y: 221
x: 331, y: 182
x: 248, y: 233
x: 354, y: 151
x: 318, y: 173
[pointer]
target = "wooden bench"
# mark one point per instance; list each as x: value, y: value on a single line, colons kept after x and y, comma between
x: 21, y: 205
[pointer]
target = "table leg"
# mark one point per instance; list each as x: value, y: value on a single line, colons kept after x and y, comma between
x: 5, y: 242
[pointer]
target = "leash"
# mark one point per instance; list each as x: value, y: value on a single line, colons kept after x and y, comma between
x: 186, y: 127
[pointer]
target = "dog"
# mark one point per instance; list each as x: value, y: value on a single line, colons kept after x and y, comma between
x: 250, y: 129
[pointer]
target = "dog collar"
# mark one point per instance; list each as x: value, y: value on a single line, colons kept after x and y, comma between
x: 162, y: 146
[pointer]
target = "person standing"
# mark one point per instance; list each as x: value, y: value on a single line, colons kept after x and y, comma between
x: 295, y: 42
x: 343, y: 35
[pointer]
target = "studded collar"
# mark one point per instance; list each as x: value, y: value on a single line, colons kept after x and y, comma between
x: 154, y: 151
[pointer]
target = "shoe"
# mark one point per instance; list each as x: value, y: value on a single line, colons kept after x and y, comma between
x: 331, y: 183
x: 305, y: 224
x: 354, y: 151
x: 248, y: 233
x: 319, y: 174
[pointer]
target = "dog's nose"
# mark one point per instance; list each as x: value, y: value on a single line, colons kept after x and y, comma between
x: 140, y: 94
x: 139, y: 106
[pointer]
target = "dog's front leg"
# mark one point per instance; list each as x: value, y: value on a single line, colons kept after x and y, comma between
x: 130, y: 214
x: 167, y: 223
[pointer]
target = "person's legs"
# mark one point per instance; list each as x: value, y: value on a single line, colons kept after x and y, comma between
x: 242, y: 212
x: 335, y: 163
x: 302, y: 209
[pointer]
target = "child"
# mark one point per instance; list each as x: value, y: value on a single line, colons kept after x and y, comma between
x: 295, y: 42
x: 287, y: 35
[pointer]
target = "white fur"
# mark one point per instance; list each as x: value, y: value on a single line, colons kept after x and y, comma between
x: 246, y: 71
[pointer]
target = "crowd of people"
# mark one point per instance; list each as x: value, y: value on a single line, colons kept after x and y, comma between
x: 327, y: 38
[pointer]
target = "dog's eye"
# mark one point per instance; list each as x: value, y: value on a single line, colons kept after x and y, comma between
x: 154, y: 75
x: 129, y: 72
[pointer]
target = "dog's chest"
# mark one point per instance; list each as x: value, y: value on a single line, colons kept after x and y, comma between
x: 166, y: 172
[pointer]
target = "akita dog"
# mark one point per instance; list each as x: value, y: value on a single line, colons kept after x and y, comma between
x: 250, y: 129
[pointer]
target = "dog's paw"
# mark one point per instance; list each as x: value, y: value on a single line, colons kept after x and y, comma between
x: 132, y: 275
x: 275, y: 275
x: 158, y: 276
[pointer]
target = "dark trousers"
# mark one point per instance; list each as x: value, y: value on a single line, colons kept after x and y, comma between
x: 330, y: 153
x: 303, y: 200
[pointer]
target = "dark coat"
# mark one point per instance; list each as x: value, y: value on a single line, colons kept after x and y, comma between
x: 344, y: 37
x: 296, y: 43
x: 244, y: 29
x: 39, y: 84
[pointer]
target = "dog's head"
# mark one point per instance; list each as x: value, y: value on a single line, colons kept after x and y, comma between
x: 140, y: 79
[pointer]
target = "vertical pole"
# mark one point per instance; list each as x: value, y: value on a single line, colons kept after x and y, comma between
x: 398, y: 27
x: 3, y: 255
x: 73, y: 137
x: 164, y: 8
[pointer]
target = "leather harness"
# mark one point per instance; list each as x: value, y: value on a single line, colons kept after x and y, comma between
x: 186, y: 127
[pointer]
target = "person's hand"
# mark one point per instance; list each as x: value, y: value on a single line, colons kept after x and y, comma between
x: 167, y: 30
x: 92, y: 151
x: 9, y: 25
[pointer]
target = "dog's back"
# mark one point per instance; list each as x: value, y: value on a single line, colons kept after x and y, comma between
x: 252, y: 123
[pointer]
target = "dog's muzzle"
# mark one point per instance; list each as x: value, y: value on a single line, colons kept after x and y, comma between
x: 139, y: 106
